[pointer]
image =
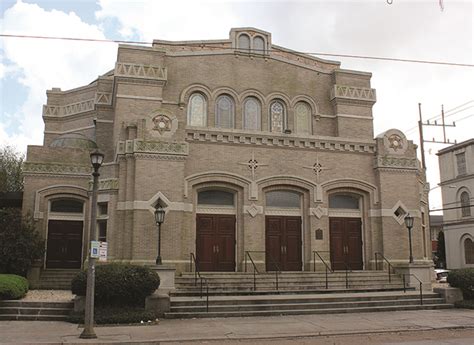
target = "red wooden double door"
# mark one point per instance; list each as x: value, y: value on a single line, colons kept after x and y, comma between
x: 346, y: 243
x: 215, y: 242
x: 64, y: 246
x: 283, y: 243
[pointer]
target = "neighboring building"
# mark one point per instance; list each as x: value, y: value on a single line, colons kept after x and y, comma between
x: 456, y: 165
x: 249, y: 146
x: 436, y: 226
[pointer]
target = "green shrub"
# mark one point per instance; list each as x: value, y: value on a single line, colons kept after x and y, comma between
x: 12, y: 286
x: 119, y: 284
x: 464, y: 280
x: 115, y: 315
x: 469, y: 304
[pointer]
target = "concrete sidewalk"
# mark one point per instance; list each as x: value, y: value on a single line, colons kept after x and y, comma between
x: 42, y: 332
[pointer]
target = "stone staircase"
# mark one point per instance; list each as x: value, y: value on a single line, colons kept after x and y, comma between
x: 55, y: 279
x: 299, y: 293
x: 35, y: 311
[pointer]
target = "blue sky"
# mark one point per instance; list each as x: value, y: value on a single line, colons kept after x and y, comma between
x: 405, y: 29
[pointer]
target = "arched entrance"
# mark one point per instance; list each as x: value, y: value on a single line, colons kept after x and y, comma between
x: 283, y: 244
x: 65, y: 230
x: 215, y: 230
x: 345, y: 231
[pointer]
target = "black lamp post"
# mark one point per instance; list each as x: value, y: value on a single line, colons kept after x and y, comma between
x: 409, y: 224
x: 159, y: 219
x: 97, y: 159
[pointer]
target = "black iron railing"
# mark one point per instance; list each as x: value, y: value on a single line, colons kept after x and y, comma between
x: 255, y: 270
x: 328, y: 268
x: 193, y: 263
x: 272, y: 261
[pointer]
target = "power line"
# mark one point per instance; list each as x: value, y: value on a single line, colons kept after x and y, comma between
x: 381, y: 58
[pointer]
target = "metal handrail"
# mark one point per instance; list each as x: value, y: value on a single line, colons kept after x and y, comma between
x: 273, y: 261
x: 328, y: 269
x: 402, y: 274
x: 255, y: 270
x: 197, y: 275
x: 347, y: 268
x: 390, y: 266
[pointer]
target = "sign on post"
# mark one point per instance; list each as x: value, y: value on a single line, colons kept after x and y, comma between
x: 103, y: 251
x: 95, y: 249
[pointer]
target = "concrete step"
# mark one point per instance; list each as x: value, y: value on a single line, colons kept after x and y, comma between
x: 19, y: 317
x: 34, y: 310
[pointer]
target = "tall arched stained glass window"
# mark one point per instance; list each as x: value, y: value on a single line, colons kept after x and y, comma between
x: 252, y: 114
x: 465, y: 208
x: 259, y: 45
x: 469, y: 251
x: 224, y: 112
x: 303, y: 118
x: 197, y: 110
x: 277, y: 116
x: 244, y: 42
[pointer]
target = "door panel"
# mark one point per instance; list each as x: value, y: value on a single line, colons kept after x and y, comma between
x: 283, y: 243
x: 64, y: 244
x: 215, y: 242
x: 346, y: 243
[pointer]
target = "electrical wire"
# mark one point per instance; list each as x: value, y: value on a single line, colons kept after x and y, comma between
x: 381, y: 58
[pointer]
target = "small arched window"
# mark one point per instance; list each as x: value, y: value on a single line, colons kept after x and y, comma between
x: 197, y: 110
x: 283, y: 199
x: 277, y: 116
x: 252, y: 114
x: 224, y: 112
x: 303, y: 118
x: 465, y: 207
x: 244, y: 42
x: 259, y: 45
x: 469, y: 251
x: 343, y: 201
x: 67, y: 206
x: 215, y: 197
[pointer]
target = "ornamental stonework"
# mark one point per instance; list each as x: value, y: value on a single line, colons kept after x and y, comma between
x: 55, y: 168
x: 161, y: 123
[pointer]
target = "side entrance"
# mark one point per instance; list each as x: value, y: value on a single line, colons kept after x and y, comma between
x: 64, y: 245
x: 346, y: 243
x: 215, y: 242
x: 283, y: 243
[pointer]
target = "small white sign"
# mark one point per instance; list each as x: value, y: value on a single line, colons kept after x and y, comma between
x: 103, y: 251
x: 95, y: 245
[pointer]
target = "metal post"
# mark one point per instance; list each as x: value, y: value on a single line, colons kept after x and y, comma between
x: 404, y: 284
x: 207, y: 296
x: 158, y: 258
x: 376, y: 263
x: 421, y: 293
x: 88, y: 332
x: 409, y: 241
x: 326, y: 277
x: 422, y: 147
x: 246, y: 253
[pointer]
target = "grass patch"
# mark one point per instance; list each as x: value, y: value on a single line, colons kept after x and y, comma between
x: 467, y: 304
x: 116, y: 316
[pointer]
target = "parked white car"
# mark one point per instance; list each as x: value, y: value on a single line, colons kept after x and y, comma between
x: 441, y: 275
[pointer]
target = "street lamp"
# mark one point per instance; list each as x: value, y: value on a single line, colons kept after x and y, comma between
x: 409, y: 224
x: 159, y: 219
x: 88, y: 333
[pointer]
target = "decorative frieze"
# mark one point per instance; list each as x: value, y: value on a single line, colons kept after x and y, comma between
x: 140, y: 71
x: 107, y: 184
x: 56, y: 168
x: 102, y: 98
x: 291, y: 142
x: 353, y: 93
x: 154, y: 147
x: 396, y: 162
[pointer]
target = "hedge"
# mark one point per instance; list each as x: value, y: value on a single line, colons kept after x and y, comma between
x: 464, y: 280
x: 119, y: 284
x: 12, y: 286
x: 115, y: 315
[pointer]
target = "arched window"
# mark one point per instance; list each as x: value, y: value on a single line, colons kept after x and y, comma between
x: 469, y: 251
x: 283, y: 199
x: 67, y: 206
x: 197, y: 110
x: 303, y: 118
x: 252, y: 114
x: 244, y: 42
x: 224, y: 112
x: 465, y: 208
x: 215, y: 197
x: 259, y: 45
x: 277, y: 116
x: 343, y: 201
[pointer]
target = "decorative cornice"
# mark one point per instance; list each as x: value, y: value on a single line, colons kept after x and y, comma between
x: 353, y: 93
x: 140, y: 71
x: 100, y: 98
x: 202, y: 135
x: 106, y: 184
x: 138, y: 146
x: 56, y: 168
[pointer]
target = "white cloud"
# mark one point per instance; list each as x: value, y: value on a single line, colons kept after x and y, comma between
x: 43, y: 64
